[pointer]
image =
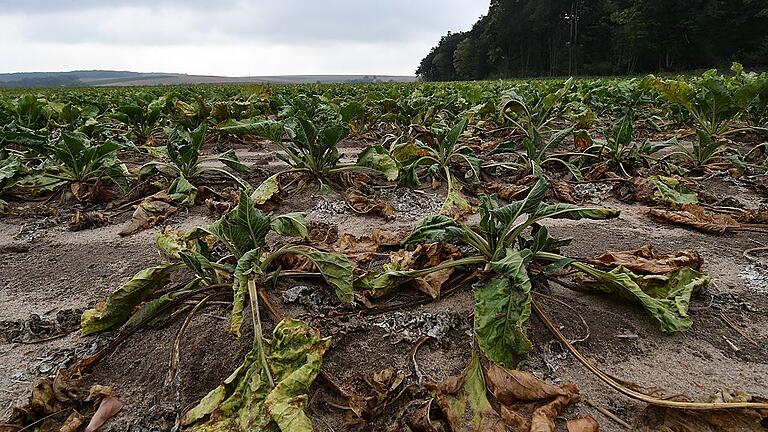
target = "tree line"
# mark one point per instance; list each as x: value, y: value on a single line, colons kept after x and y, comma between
x: 602, y: 37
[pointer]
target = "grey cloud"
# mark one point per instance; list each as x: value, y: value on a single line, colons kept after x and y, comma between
x: 309, y: 23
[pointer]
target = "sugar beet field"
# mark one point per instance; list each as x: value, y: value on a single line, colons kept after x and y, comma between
x: 535, y: 255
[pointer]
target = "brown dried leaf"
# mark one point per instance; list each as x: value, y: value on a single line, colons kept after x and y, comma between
x: 425, y: 255
x: 754, y: 217
x: 544, y: 416
x: 152, y: 211
x: 428, y: 255
x: 363, y: 249
x: 465, y: 404
x: 322, y: 232
x: 657, y: 419
x: 73, y: 422
x: 695, y: 217
x: 582, y: 424
x: 108, y: 407
x: 419, y: 421
x: 597, y: 172
x: 510, y: 386
x: 363, y: 204
x: 525, y: 402
x: 637, y: 189
x: 49, y: 397
x: 82, y: 221
x: 646, y: 260
x: 98, y: 192
x: 141, y: 190
x: 507, y: 191
x: 564, y: 192
x: 432, y: 283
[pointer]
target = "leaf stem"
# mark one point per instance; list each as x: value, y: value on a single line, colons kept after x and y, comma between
x: 258, y: 336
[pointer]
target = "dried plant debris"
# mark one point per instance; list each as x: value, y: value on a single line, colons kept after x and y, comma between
x: 152, y: 211
x: 658, y: 419
x: 564, y: 192
x: 646, y: 260
x: 364, y: 204
x: 496, y: 399
x: 63, y: 403
x: 88, y: 220
x: 322, y: 232
x: 758, y: 216
x: 509, y: 191
x: 668, y: 191
x: 37, y: 328
x: 386, y: 385
x: 695, y: 217
x: 424, y: 256
x: 364, y: 249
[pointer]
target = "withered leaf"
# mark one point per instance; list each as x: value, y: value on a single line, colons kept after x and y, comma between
x: 428, y: 255
x: 657, y: 419
x: 511, y: 386
x: 363, y: 204
x: 695, y: 217
x: 73, y: 422
x: 152, y: 211
x: 564, y: 192
x: 582, y: 424
x: 109, y: 405
x: 87, y: 220
x: 526, y: 404
x: 646, y: 260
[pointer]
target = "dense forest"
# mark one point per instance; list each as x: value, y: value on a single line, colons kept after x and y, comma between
x: 602, y: 37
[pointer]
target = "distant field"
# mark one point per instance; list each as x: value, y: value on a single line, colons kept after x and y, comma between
x: 125, y: 78
x: 285, y: 79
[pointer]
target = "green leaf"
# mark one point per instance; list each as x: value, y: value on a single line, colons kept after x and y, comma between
x: 183, y: 192
x: 573, y: 212
x: 266, y: 189
x: 664, y: 297
x: 247, y: 265
x: 622, y: 132
x: 120, y: 304
x: 409, y: 152
x: 200, y: 265
x: 502, y: 309
x: 465, y: 401
x: 270, y: 129
x: 337, y: 271
x: 230, y: 159
x: 453, y: 136
x: 290, y: 224
x: 510, y: 212
x: 246, y: 402
x: 671, y: 191
x: 385, y: 281
x: 433, y: 229
x: 377, y: 158
x: 151, y: 307
x: 242, y: 229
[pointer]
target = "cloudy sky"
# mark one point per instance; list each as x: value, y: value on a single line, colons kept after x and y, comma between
x: 228, y: 37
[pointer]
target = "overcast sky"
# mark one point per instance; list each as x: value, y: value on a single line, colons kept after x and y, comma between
x: 228, y: 37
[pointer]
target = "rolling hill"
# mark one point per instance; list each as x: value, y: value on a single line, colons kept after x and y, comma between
x: 126, y: 78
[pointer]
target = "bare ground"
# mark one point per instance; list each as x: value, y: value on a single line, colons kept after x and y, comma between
x: 50, y: 272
